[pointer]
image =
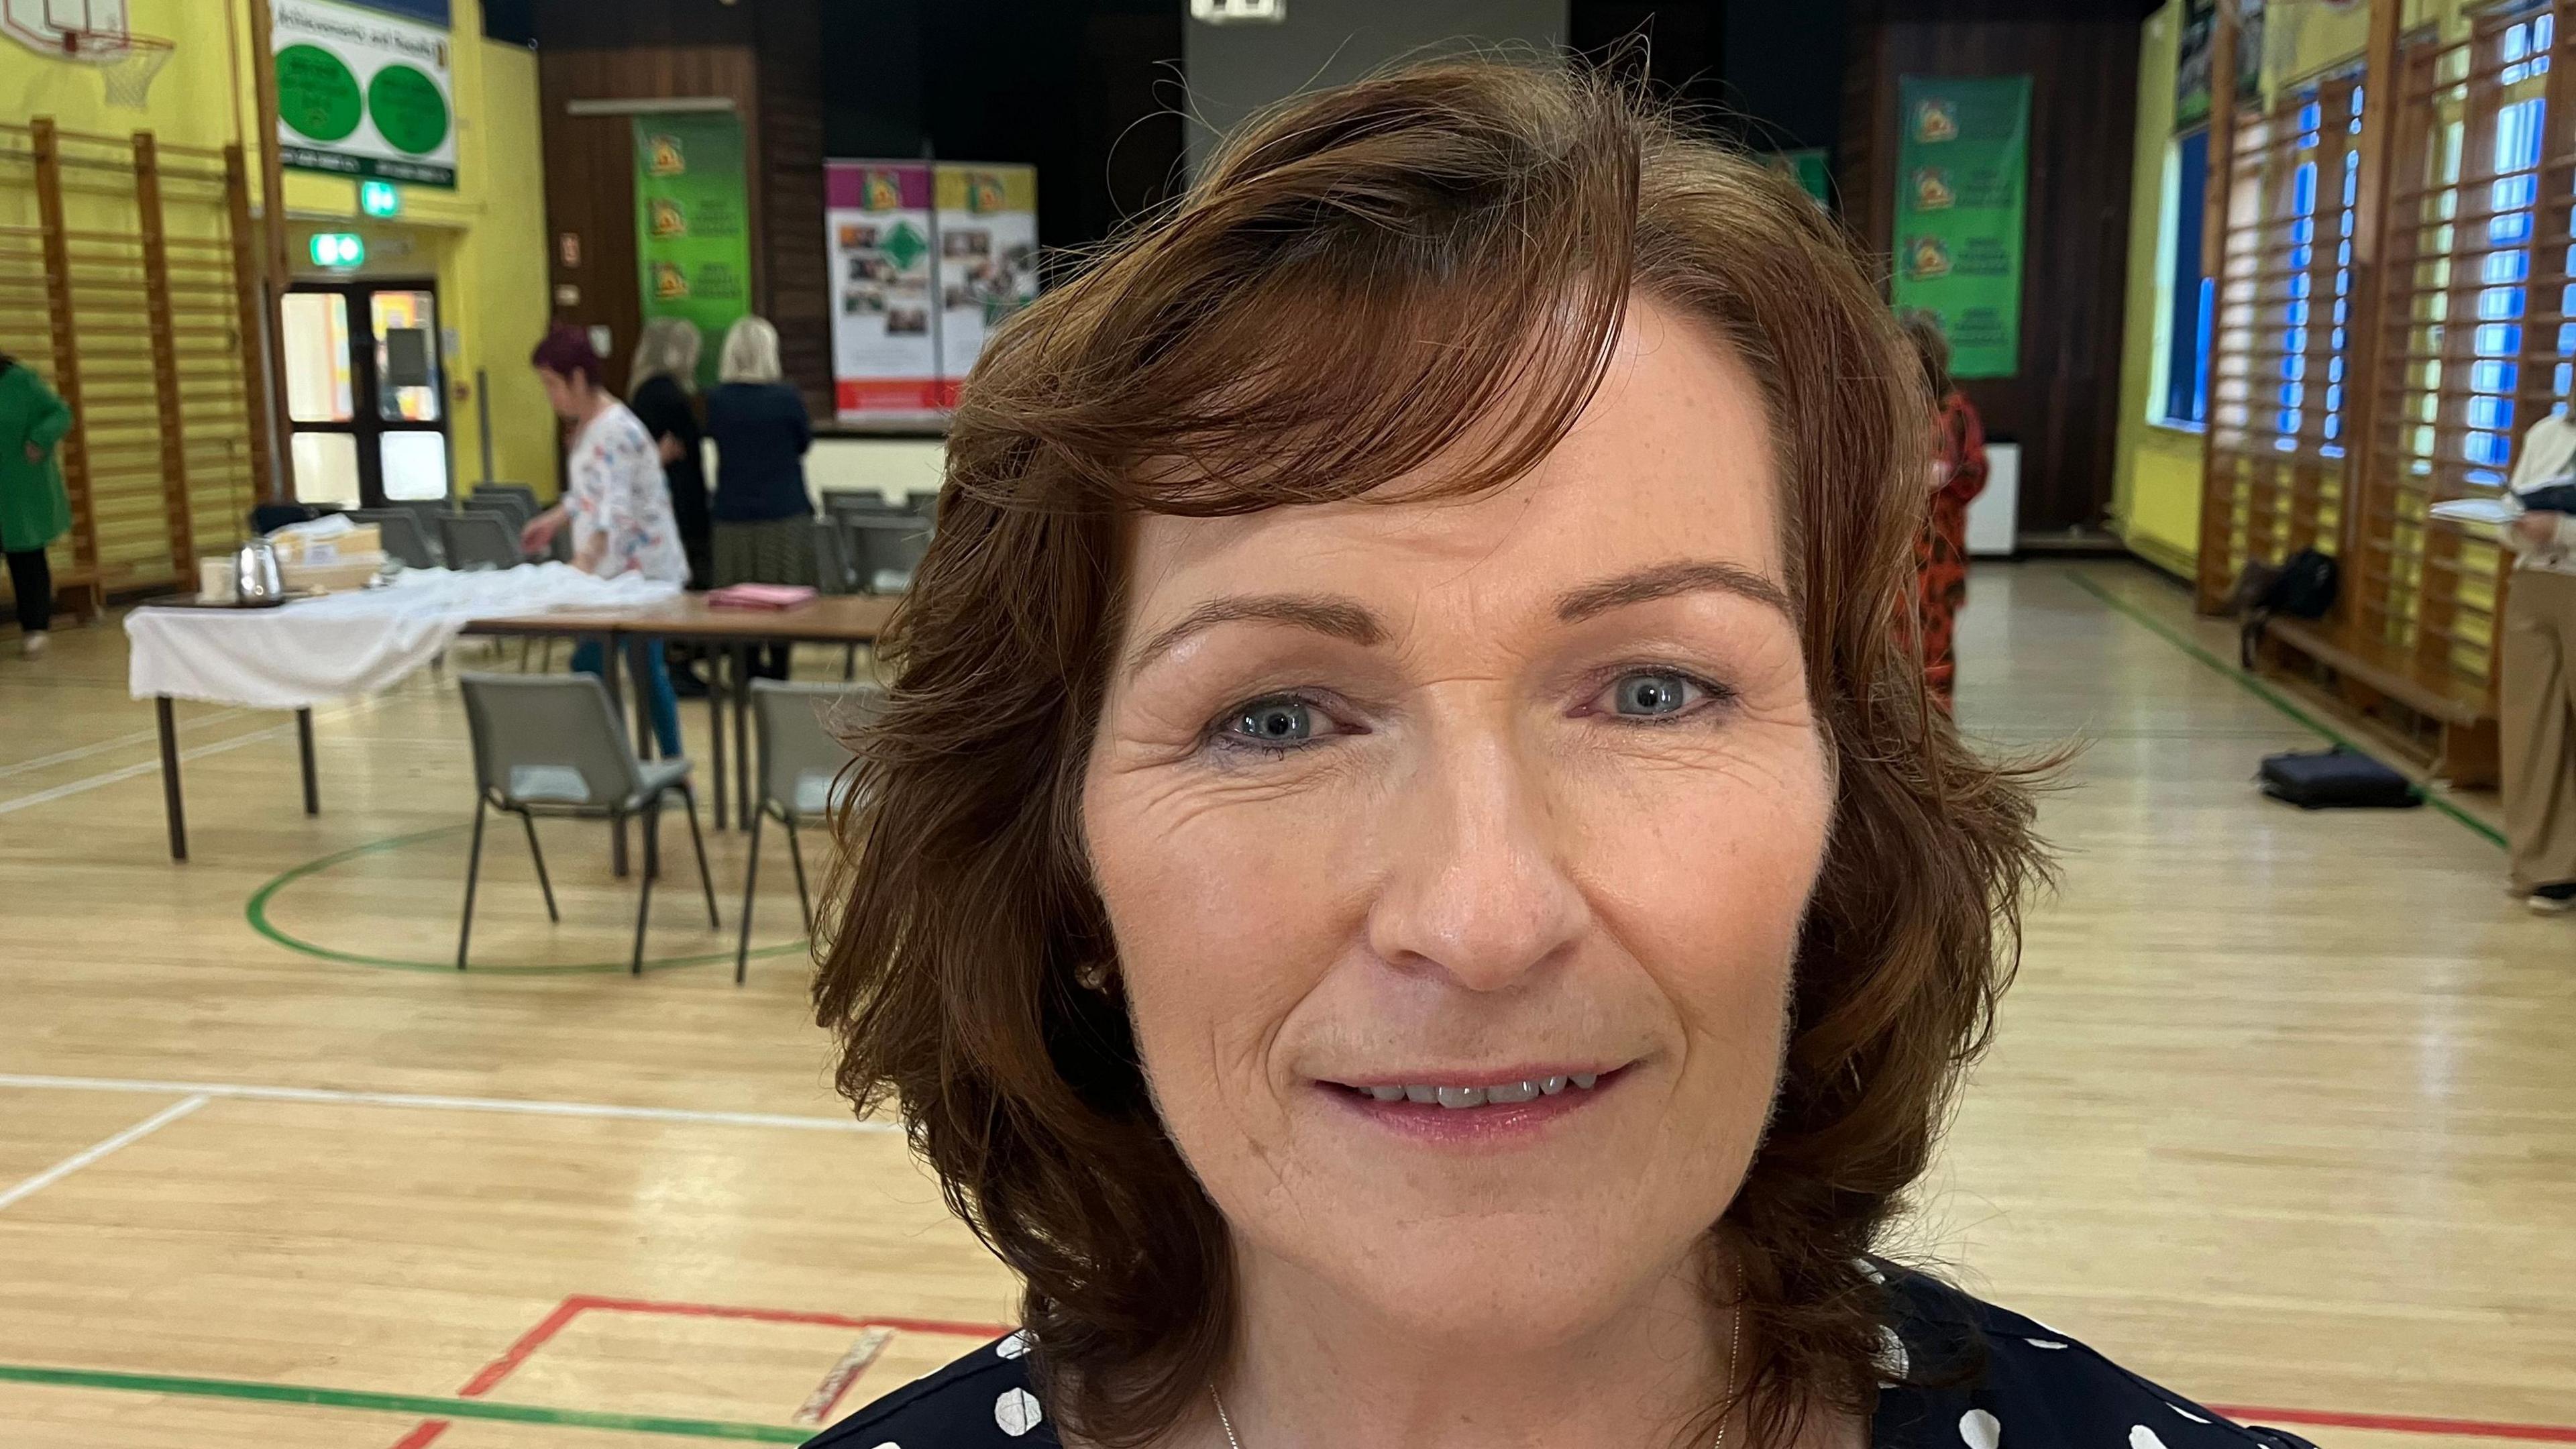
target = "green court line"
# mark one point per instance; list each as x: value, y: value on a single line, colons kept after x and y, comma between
x: 432, y: 1405
x: 257, y: 913
x: 2268, y: 695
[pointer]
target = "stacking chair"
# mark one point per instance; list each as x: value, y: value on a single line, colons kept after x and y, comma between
x: 923, y: 501
x: 406, y: 542
x: 479, y: 540
x: 552, y: 744
x: 510, y: 503
x: 833, y: 571
x: 868, y: 503
x: 526, y: 494
x: 887, y: 551
x: 800, y: 765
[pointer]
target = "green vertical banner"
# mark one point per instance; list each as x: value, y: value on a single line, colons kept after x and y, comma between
x: 692, y: 225
x: 1962, y: 178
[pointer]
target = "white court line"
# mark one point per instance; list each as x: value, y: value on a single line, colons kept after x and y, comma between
x: 450, y: 1104
x: 83, y: 752
x: 149, y: 767
x: 93, y: 1153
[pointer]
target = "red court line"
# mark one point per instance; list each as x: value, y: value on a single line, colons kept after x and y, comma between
x: 427, y: 1431
x: 2401, y: 1423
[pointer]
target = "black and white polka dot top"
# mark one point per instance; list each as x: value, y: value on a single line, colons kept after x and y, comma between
x: 1961, y: 1374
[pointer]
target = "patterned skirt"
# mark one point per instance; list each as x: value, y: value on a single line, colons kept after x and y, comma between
x: 777, y: 551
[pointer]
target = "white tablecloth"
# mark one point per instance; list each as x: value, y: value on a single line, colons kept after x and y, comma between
x: 302, y: 654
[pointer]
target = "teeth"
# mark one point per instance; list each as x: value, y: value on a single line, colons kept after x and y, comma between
x: 1506, y: 1094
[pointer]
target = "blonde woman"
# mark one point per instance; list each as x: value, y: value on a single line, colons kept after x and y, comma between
x: 763, y: 527
x: 661, y: 390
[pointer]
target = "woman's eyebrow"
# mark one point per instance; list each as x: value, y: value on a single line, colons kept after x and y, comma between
x: 1322, y: 613
x: 1664, y: 580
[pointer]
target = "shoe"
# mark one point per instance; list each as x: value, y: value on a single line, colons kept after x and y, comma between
x: 35, y: 644
x: 2552, y: 900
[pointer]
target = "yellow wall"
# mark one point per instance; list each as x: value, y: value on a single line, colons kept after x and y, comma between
x: 483, y: 242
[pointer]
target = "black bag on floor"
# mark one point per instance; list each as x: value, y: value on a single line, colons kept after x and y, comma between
x: 2336, y: 779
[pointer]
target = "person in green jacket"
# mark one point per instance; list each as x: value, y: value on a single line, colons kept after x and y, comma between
x: 34, y: 509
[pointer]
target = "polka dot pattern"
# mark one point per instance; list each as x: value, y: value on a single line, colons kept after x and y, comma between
x: 1980, y: 1430
x: 1017, y: 1412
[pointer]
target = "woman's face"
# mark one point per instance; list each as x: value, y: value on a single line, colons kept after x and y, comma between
x: 565, y: 395
x: 1512, y: 804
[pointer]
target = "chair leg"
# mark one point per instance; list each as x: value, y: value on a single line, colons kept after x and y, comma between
x: 653, y: 840
x: 849, y: 662
x: 644, y: 896
x: 539, y: 855
x: 750, y: 883
x: 698, y: 843
x: 796, y: 854
x: 473, y: 867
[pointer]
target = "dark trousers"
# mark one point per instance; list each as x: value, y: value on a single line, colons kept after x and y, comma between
x: 31, y: 578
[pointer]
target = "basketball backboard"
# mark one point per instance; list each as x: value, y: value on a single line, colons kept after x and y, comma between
x: 65, y: 27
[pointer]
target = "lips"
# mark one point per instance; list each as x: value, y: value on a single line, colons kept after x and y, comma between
x: 1500, y: 1094
x: 1471, y: 1110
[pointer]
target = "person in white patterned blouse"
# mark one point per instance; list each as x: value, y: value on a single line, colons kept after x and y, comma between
x: 617, y: 504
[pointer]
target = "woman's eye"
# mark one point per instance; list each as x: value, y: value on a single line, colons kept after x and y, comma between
x: 1277, y: 723
x: 1651, y: 694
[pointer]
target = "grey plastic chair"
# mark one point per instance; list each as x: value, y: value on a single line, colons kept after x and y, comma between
x: 848, y: 504
x: 526, y: 494
x: 553, y: 744
x: 479, y: 540
x: 799, y: 779
x: 510, y: 503
x: 923, y: 501
x: 833, y: 571
x: 406, y: 542
x: 887, y: 550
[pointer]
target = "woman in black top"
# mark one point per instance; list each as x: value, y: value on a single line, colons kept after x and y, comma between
x: 764, y: 531
x: 1400, y: 882
x: 662, y: 393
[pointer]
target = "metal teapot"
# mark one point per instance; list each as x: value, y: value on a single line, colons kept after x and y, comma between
x: 255, y: 575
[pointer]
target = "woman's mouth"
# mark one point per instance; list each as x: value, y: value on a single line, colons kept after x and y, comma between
x: 1475, y: 1111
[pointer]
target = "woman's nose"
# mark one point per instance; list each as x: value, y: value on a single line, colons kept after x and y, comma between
x: 1475, y: 884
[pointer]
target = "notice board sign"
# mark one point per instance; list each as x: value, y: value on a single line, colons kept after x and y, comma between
x: 362, y: 93
x: 1962, y: 182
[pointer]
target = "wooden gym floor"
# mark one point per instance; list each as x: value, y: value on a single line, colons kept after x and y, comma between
x: 2283, y: 1110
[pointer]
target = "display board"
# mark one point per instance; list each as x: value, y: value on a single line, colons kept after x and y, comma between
x: 1962, y: 181
x: 988, y: 260
x: 692, y: 225
x: 879, y: 232
x: 926, y: 260
x: 363, y: 93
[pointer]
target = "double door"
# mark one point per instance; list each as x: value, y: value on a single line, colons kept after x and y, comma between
x: 366, y: 400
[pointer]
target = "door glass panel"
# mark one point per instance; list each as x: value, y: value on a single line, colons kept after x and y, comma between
x: 415, y: 464
x: 326, y: 468
x: 316, y: 333
x: 406, y: 356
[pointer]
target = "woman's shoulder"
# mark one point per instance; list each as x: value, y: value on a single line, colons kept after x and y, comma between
x: 1972, y: 1375
x: 982, y: 1401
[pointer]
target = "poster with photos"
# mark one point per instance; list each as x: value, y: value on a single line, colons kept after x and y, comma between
x: 988, y: 259
x: 880, y: 235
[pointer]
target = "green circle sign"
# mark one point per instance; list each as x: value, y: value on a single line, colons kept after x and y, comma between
x: 317, y: 95
x: 409, y: 111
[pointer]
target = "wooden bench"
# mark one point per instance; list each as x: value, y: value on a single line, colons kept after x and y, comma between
x: 2469, y: 755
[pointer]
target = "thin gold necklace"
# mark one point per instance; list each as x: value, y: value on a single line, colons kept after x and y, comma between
x: 1734, y: 1343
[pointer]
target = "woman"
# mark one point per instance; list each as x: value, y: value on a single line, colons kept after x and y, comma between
x: 2536, y: 685
x: 1958, y: 475
x: 619, y: 510
x: 1401, y: 882
x: 34, y: 509
x: 661, y: 390
x: 764, y: 518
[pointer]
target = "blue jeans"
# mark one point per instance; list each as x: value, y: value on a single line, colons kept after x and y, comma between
x: 645, y: 670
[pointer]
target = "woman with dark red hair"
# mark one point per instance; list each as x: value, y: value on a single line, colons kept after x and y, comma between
x: 618, y: 506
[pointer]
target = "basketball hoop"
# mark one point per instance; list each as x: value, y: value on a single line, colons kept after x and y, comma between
x: 127, y: 61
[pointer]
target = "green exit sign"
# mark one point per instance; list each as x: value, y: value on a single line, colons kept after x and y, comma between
x: 378, y: 198
x: 339, y: 249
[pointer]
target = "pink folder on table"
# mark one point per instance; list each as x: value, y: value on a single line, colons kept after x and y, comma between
x: 759, y: 596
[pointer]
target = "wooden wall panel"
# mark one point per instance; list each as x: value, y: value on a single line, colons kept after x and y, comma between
x: 2063, y: 406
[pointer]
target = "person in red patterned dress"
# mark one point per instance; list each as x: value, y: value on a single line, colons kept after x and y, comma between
x: 1958, y: 476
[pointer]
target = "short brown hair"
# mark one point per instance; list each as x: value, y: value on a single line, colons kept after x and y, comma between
x: 1931, y: 349
x: 1357, y: 282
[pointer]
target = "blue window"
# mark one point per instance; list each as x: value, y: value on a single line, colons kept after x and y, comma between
x: 2191, y: 296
